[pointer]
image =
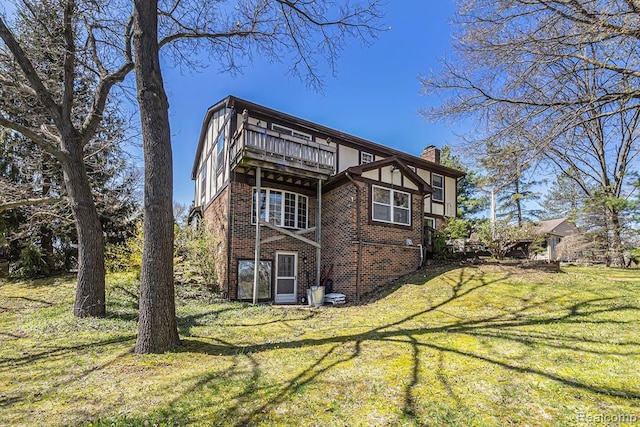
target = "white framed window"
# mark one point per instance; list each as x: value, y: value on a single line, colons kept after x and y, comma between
x: 365, y: 157
x: 288, y: 131
x: 281, y: 208
x: 437, y: 183
x: 390, y: 206
x: 430, y: 222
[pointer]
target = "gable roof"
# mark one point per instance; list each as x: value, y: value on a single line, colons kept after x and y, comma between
x: 558, y: 226
x: 393, y: 161
x: 240, y: 104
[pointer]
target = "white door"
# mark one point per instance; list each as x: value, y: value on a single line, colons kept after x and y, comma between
x: 286, y: 277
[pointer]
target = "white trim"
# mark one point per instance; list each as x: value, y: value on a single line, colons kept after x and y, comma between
x: 288, y: 131
x: 391, y: 206
x: 363, y: 161
x: 292, y: 297
x: 432, y: 222
x: 434, y: 186
x: 267, y: 207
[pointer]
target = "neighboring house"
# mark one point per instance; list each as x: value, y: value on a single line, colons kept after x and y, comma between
x: 553, y: 231
x: 326, y: 199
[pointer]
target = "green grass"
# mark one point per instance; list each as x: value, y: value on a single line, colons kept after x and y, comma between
x: 471, y: 346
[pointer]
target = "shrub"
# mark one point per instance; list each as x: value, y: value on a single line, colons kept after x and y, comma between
x: 30, y: 264
x: 125, y: 256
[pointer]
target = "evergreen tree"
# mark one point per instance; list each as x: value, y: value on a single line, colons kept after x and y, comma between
x: 509, y: 171
x: 470, y: 200
x: 563, y: 199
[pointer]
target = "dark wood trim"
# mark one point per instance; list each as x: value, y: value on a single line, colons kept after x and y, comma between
x: 371, y: 221
x: 387, y: 185
x: 224, y: 186
x: 277, y: 185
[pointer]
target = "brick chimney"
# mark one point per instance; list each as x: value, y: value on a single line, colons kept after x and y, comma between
x: 431, y: 154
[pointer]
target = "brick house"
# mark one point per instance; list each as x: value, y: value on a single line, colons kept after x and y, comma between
x: 326, y: 198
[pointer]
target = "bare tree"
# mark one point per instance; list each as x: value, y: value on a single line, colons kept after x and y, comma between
x: 300, y: 31
x: 157, y: 329
x: 98, y: 36
x: 561, y: 77
x: 44, y: 77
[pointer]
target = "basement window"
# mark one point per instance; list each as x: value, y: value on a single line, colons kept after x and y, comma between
x: 246, y: 276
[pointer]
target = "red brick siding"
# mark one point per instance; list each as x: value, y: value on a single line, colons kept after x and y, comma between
x: 385, y: 254
x: 339, y: 237
x: 243, y: 240
x: 216, y: 220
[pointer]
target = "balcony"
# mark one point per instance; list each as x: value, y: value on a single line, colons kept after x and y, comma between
x: 283, y: 154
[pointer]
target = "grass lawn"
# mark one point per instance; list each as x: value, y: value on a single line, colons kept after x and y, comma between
x: 470, y: 346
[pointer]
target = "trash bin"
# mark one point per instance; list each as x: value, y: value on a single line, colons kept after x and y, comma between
x: 317, y: 295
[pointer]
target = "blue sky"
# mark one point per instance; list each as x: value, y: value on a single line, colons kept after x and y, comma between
x: 375, y: 95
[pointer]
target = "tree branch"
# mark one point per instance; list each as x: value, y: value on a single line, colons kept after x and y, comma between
x: 4, y: 206
x: 43, y: 94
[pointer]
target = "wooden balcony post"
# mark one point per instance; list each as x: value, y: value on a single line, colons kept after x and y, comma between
x: 318, y: 232
x: 256, y: 265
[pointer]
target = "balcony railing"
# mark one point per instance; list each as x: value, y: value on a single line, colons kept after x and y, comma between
x: 253, y: 145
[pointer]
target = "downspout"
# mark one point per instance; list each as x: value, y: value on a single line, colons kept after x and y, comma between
x: 358, y: 233
x: 422, y: 234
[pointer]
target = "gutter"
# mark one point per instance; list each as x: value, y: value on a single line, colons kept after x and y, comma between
x: 358, y: 232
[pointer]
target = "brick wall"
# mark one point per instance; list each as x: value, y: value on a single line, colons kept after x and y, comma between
x: 385, y: 254
x: 243, y: 240
x: 217, y: 223
x: 339, y: 237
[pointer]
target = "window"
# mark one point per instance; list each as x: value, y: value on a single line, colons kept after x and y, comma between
x: 290, y: 210
x: 391, y: 206
x: 437, y: 183
x: 365, y: 157
x: 289, y: 131
x: 281, y: 208
x: 203, y: 183
x: 245, y: 279
x: 220, y: 148
x: 275, y: 207
x: 430, y: 222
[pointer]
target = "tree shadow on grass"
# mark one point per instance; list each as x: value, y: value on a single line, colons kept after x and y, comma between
x: 186, y: 323
x: 56, y: 353
x: 421, y: 276
x: 8, y: 363
x: 509, y: 325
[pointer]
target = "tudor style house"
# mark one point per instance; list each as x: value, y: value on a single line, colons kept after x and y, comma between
x: 285, y: 198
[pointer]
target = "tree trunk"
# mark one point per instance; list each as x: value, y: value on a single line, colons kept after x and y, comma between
x: 615, y: 257
x: 90, y: 292
x: 157, y: 329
